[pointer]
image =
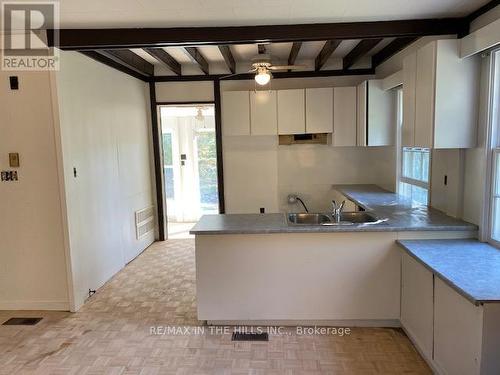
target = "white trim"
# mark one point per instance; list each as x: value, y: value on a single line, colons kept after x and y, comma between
x: 35, y: 305
x: 393, y: 81
x: 491, y: 144
x: 480, y: 40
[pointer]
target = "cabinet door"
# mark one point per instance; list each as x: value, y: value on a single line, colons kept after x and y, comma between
x: 236, y: 113
x: 291, y: 112
x: 458, y: 327
x: 263, y: 113
x: 362, y: 92
x: 417, y: 303
x: 319, y: 110
x: 409, y: 87
x: 344, y: 116
x: 425, y: 93
x: 381, y: 120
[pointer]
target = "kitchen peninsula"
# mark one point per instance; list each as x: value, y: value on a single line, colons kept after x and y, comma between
x: 260, y: 268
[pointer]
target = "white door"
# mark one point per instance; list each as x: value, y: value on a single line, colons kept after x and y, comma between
x: 189, y: 161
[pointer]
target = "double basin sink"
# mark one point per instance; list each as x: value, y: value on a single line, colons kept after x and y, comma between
x: 346, y: 218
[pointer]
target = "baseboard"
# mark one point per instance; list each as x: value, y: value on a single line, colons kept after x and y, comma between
x: 322, y: 323
x: 35, y: 305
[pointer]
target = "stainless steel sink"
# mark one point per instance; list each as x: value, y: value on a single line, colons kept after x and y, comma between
x: 358, y: 217
x: 308, y: 219
x: 346, y: 218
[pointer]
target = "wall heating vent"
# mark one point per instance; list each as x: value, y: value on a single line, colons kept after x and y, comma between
x: 144, y: 222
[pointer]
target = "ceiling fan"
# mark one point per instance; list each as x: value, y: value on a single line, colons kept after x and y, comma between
x: 263, y: 67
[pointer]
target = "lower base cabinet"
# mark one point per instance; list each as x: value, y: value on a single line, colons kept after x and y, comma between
x: 458, y: 327
x: 455, y: 336
x: 417, y: 303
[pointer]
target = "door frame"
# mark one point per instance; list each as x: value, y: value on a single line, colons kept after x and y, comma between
x: 158, y: 153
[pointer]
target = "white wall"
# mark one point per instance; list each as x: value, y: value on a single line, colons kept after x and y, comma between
x: 311, y: 170
x: 32, y: 255
x: 184, y: 91
x: 105, y: 128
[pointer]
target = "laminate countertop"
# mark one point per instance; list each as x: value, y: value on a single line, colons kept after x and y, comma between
x: 470, y: 267
x: 396, y: 212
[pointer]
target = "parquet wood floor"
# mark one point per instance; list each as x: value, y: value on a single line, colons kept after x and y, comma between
x: 111, y: 334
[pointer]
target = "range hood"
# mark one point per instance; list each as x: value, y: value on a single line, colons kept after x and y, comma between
x: 300, y: 139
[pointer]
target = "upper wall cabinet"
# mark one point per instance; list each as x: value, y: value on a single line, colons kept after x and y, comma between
x: 344, y: 116
x: 291, y: 112
x: 319, y: 110
x: 236, y: 113
x: 263, y: 113
x: 409, y: 84
x: 440, y: 97
x: 376, y: 119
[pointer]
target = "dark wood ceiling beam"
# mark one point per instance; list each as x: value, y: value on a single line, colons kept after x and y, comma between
x: 391, y: 49
x: 164, y: 57
x: 197, y: 58
x: 294, y: 52
x: 80, y: 39
x: 113, y: 64
x: 228, y: 58
x: 276, y: 75
x: 325, y: 53
x: 130, y: 60
x: 361, y: 49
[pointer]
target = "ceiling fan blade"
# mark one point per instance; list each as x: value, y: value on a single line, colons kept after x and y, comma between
x: 238, y: 74
x: 286, y: 67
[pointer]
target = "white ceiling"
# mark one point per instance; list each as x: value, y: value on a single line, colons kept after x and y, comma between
x: 168, y: 13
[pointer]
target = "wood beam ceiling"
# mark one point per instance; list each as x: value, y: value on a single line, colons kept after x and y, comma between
x: 228, y: 58
x: 325, y: 53
x: 276, y: 75
x: 130, y: 60
x: 361, y: 49
x: 197, y: 58
x: 294, y: 52
x: 92, y: 39
x: 164, y: 57
x: 391, y: 49
x: 113, y: 64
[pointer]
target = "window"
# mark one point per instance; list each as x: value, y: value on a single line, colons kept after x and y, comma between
x: 413, y: 165
x: 494, y: 136
x: 168, y: 166
x: 414, y: 180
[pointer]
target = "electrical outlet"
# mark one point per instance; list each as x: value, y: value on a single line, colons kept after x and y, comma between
x: 9, y: 176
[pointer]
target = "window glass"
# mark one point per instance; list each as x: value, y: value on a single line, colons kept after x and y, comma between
x: 168, y: 168
x: 414, y: 180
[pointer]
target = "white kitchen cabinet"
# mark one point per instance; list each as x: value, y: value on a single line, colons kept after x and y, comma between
x: 236, y: 113
x: 445, y: 89
x: 319, y: 110
x: 344, y: 116
x: 458, y: 328
x: 263, y: 113
x: 291, y: 112
x: 409, y: 83
x: 376, y: 118
x: 417, y: 303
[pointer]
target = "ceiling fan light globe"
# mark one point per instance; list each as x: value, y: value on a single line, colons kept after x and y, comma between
x: 262, y: 78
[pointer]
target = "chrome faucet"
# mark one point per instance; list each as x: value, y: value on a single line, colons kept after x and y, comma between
x: 337, y: 210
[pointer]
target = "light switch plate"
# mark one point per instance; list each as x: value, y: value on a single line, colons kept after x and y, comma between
x: 14, y: 160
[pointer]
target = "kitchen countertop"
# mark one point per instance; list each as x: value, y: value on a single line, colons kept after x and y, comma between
x: 400, y: 215
x: 470, y: 267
